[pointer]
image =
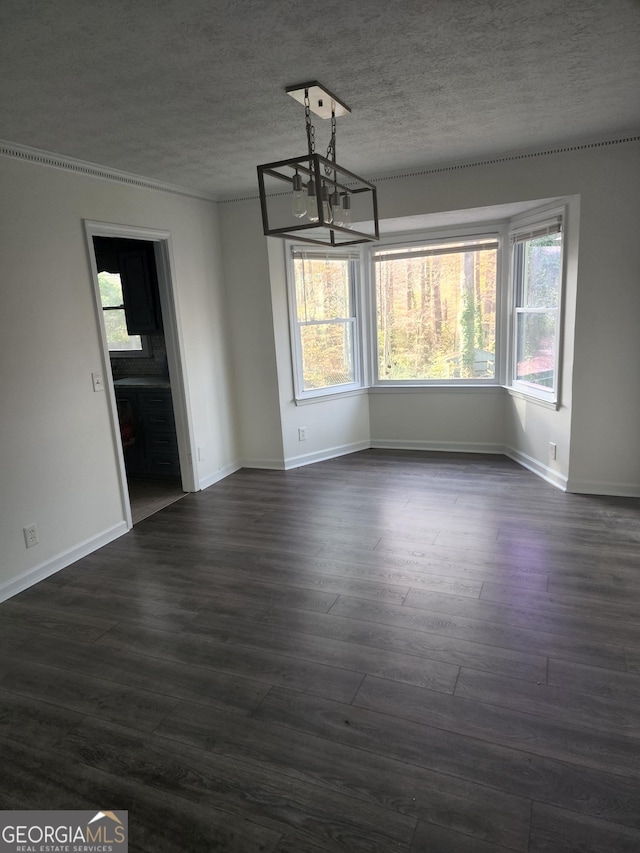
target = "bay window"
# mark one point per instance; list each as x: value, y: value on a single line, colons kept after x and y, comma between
x: 441, y: 309
x: 537, y: 288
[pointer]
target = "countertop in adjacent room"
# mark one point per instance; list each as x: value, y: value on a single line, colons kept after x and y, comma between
x: 142, y: 382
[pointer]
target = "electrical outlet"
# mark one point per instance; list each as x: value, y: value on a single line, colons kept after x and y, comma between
x: 553, y: 451
x: 31, y: 537
x: 302, y: 433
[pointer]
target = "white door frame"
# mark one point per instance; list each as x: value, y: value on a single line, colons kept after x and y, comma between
x: 173, y: 339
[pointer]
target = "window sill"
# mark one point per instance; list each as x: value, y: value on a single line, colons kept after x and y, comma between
x: 519, y: 394
x: 393, y: 388
x: 334, y: 395
x: 441, y: 389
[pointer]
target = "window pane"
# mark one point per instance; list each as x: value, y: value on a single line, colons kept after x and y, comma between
x: 327, y: 355
x: 322, y: 288
x: 110, y: 289
x: 436, y: 316
x: 115, y: 324
x: 536, y: 341
x: 541, y: 261
x: 116, y: 328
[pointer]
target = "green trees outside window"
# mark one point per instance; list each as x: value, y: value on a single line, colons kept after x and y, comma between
x: 326, y: 323
x: 118, y: 338
x: 436, y: 311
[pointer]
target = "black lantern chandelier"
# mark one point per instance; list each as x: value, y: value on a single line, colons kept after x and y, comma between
x: 326, y: 204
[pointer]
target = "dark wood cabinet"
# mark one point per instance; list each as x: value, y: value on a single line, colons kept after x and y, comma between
x: 139, y: 291
x: 149, y: 441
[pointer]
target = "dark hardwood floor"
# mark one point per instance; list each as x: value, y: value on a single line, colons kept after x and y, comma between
x: 390, y: 651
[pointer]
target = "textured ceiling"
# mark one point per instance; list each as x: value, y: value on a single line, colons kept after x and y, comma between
x: 191, y: 92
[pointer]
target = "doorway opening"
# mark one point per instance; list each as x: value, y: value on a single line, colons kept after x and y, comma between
x: 134, y: 299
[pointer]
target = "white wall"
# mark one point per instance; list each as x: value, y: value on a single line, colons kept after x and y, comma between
x: 605, y: 429
x: 469, y: 420
x: 58, y: 457
x: 250, y: 322
x: 601, y: 325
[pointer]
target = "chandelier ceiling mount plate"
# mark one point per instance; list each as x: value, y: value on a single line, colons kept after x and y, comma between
x: 320, y: 99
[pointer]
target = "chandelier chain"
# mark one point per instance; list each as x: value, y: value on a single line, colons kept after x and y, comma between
x: 331, y: 150
x: 311, y: 132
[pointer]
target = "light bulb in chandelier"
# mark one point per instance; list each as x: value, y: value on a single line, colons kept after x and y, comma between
x: 327, y: 213
x: 335, y: 208
x: 298, y: 198
x: 312, y: 201
x: 345, y: 211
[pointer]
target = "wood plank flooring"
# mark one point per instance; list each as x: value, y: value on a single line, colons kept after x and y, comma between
x: 390, y: 651
x: 149, y: 495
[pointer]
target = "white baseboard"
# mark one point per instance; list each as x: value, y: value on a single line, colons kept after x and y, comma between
x: 560, y: 481
x: 440, y: 446
x: 66, y: 558
x: 205, y: 482
x: 323, y: 455
x: 597, y: 487
x: 268, y: 464
x: 534, y: 465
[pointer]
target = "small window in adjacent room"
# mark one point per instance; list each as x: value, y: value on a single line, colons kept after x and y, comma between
x: 436, y: 311
x: 537, y: 279
x: 324, y: 322
x: 120, y: 342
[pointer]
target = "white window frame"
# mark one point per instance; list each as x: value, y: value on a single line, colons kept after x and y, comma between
x: 143, y: 352
x: 489, y: 230
x: 355, y: 263
x: 538, y: 223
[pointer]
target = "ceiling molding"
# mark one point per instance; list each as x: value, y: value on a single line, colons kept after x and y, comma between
x: 472, y: 164
x: 93, y: 170
x: 490, y: 161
